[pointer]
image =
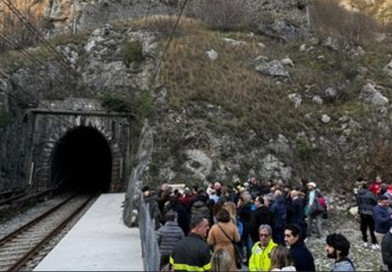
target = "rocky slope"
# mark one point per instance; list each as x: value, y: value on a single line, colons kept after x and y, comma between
x: 226, y: 105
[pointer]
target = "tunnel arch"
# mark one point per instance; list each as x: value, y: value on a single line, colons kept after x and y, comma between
x: 81, y: 160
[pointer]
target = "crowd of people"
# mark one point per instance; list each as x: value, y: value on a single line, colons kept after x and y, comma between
x: 262, y: 226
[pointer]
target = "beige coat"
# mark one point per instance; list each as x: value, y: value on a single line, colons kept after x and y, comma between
x: 219, y: 240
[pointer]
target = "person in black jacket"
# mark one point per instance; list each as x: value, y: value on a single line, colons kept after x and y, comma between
x: 386, y: 249
x: 366, y: 203
x: 193, y: 253
x: 261, y: 216
x: 298, y: 212
x: 302, y: 257
x: 279, y: 215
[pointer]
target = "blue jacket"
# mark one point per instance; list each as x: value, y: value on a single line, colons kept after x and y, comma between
x: 279, y: 212
x: 303, y: 259
x: 382, y: 218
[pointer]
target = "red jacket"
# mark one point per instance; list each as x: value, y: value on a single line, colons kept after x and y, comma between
x: 375, y: 188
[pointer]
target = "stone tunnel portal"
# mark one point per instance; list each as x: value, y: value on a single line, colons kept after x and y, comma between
x: 82, y: 161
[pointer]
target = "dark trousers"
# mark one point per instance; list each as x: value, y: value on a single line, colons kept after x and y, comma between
x: 367, y: 221
x: 278, y: 236
x: 165, y: 259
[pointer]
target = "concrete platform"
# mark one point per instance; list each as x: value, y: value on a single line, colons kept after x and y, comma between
x: 98, y: 242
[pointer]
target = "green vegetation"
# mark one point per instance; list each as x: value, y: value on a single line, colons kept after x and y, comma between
x: 144, y: 105
x: 115, y: 103
x: 133, y: 52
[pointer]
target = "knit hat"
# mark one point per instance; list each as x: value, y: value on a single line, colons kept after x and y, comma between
x: 312, y: 184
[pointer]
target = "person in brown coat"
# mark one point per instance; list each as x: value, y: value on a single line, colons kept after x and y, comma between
x: 220, y: 233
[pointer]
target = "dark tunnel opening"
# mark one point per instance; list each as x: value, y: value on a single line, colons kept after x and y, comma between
x: 82, y: 161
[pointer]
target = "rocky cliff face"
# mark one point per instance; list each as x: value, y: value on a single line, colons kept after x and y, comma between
x: 285, y: 19
x: 381, y: 9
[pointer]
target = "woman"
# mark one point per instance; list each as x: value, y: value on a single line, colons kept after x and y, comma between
x: 221, y: 261
x: 281, y: 259
x: 223, y: 235
x: 232, y: 209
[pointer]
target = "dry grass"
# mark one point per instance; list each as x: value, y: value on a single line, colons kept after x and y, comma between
x: 17, y: 58
x: 258, y: 101
x: 329, y: 18
x: 261, y: 102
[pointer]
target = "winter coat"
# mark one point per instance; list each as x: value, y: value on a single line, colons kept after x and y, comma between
x: 219, y: 240
x: 297, y: 206
x: 366, y: 201
x: 168, y: 236
x: 259, y: 261
x: 244, y: 215
x: 279, y: 212
x: 382, y: 218
x: 386, y: 249
x: 154, y: 210
x: 261, y: 216
x: 191, y: 254
x: 200, y: 208
x: 302, y: 257
x: 375, y: 188
x: 344, y: 264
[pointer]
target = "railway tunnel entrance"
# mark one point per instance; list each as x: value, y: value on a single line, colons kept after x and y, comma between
x: 82, y: 161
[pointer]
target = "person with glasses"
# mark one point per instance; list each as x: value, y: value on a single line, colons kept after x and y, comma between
x: 260, y: 259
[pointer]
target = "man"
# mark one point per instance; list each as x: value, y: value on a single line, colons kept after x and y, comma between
x: 153, y: 205
x: 386, y: 249
x: 303, y: 259
x: 279, y: 215
x: 168, y: 236
x: 366, y: 203
x: 313, y: 210
x: 338, y: 248
x: 260, y: 259
x: 298, y: 214
x: 254, y: 187
x: 193, y: 253
x: 261, y: 216
x: 382, y: 218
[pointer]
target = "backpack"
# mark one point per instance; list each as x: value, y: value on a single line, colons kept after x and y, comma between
x: 323, y: 206
x: 322, y: 202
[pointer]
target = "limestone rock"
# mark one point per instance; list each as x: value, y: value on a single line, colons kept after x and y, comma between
x: 296, y: 99
x: 198, y: 163
x: 317, y: 99
x: 325, y: 119
x: 212, y: 55
x: 280, y: 145
x: 233, y: 43
x: 388, y: 69
x: 287, y: 62
x: 273, y: 68
x: 272, y: 167
x: 370, y: 94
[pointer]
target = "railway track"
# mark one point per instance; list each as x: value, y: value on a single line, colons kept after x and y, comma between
x: 17, y: 248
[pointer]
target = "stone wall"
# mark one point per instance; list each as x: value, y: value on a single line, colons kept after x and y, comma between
x: 15, y: 140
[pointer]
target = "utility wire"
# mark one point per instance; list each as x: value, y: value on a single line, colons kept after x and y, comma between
x: 25, y: 53
x: 21, y: 17
x: 23, y: 102
x: 24, y: 20
x: 33, y: 98
x: 168, y: 43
